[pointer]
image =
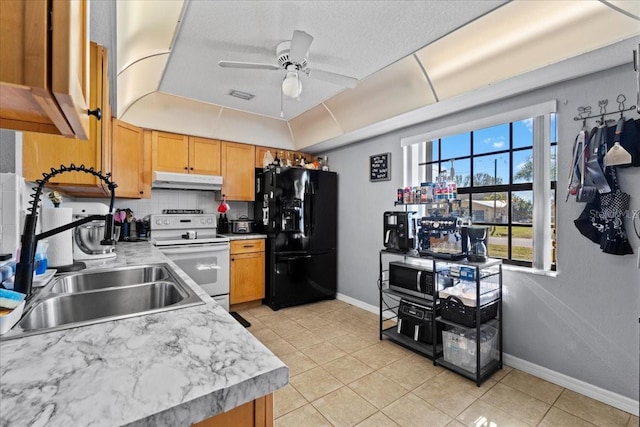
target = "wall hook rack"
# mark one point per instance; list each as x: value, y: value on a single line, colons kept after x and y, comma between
x: 583, y: 112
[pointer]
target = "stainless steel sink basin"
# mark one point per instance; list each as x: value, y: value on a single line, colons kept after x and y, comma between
x: 82, y: 282
x: 83, y: 306
x: 85, y: 298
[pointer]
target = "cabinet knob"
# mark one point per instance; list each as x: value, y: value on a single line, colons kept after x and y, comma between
x: 142, y: 192
x: 186, y: 168
x: 97, y: 112
x: 191, y: 168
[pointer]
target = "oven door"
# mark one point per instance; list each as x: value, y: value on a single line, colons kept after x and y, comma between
x: 207, y: 265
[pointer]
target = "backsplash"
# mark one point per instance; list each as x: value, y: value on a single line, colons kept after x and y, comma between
x: 14, y: 198
x: 161, y: 199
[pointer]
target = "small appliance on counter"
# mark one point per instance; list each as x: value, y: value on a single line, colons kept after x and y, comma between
x: 87, y: 237
x: 416, y: 322
x: 399, y: 230
x: 443, y: 237
x: 416, y: 278
x: 242, y: 225
x: 478, y: 251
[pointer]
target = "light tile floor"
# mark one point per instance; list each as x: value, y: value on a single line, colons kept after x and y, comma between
x: 341, y: 374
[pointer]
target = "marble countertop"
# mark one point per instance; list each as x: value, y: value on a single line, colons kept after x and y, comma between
x: 245, y: 236
x: 167, y: 369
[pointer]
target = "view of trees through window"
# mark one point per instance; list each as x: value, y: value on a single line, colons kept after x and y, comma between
x: 493, y: 169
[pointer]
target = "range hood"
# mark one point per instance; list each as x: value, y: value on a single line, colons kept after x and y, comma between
x: 186, y: 181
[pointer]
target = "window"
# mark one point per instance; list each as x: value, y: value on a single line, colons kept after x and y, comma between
x: 500, y: 170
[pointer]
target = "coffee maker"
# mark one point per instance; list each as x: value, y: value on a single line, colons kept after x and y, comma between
x: 443, y: 237
x: 477, y: 246
x: 399, y: 231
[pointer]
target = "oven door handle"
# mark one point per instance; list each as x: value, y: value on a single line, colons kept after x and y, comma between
x: 174, y: 250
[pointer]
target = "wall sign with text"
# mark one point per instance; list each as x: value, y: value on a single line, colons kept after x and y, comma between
x: 380, y: 167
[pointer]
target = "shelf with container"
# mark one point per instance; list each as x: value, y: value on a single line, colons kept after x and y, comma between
x: 451, y: 297
x: 471, y: 318
x: 419, y: 310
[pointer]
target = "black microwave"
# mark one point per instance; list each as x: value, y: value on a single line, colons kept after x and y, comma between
x: 415, y: 279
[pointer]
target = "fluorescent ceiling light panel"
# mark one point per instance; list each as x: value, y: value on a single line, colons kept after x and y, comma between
x: 519, y: 37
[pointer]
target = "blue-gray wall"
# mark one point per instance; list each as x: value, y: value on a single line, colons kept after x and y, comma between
x: 582, y: 323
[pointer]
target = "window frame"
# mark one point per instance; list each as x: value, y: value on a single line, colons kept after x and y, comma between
x: 542, y: 146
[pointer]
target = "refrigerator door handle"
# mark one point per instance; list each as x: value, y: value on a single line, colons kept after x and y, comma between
x: 307, y: 210
x: 294, y: 258
x: 312, y: 203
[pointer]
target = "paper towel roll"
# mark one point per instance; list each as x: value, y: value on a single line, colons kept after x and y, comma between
x: 60, y: 252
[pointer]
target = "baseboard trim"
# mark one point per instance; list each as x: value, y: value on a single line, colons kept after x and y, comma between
x: 605, y: 396
x: 363, y: 305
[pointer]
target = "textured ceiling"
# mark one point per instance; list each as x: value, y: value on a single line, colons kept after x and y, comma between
x: 355, y: 38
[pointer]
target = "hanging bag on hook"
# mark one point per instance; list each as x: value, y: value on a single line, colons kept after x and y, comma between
x: 586, y: 191
x: 617, y: 155
x: 575, y: 174
x: 594, y: 172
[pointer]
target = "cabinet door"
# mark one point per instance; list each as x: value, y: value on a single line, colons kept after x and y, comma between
x: 44, y: 66
x: 70, y: 62
x: 238, y: 171
x: 204, y: 156
x: 128, y: 159
x: 170, y: 152
x: 260, y: 152
x: 41, y: 152
x: 247, y: 277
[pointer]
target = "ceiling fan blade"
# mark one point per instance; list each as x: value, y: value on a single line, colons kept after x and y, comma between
x: 250, y: 65
x: 300, y: 44
x: 334, y: 78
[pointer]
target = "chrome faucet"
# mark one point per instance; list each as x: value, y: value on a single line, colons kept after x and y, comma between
x: 25, y: 267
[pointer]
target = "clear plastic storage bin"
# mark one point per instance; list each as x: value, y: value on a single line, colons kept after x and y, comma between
x: 459, y: 346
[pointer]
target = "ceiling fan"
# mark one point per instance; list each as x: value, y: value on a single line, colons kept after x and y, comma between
x: 293, y: 56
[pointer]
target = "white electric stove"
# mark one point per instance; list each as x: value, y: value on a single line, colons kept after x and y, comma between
x: 189, y: 238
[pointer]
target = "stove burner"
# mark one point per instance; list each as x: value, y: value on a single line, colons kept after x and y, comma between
x: 182, y: 211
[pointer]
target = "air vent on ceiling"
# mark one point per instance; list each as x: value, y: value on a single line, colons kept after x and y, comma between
x: 242, y: 95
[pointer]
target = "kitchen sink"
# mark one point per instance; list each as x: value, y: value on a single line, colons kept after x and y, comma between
x: 85, y: 298
x: 82, y: 282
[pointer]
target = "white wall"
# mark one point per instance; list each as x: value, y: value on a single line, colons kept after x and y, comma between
x: 582, y: 323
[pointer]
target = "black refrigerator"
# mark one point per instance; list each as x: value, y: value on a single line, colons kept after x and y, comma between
x: 297, y: 209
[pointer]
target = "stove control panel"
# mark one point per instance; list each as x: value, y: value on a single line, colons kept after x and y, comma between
x: 182, y: 221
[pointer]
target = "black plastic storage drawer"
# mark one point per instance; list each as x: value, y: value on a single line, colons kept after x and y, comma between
x: 454, y: 310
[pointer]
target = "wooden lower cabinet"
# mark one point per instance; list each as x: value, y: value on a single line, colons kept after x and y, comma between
x: 257, y: 413
x: 247, y: 271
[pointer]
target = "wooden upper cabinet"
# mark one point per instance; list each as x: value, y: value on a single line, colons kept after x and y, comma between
x: 174, y: 152
x: 170, y: 152
x: 260, y: 152
x: 238, y: 170
x: 44, y: 75
x: 282, y: 155
x: 130, y: 170
x: 41, y: 152
x: 204, y: 156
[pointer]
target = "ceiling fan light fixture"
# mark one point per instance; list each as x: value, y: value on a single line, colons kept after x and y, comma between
x: 291, y: 85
